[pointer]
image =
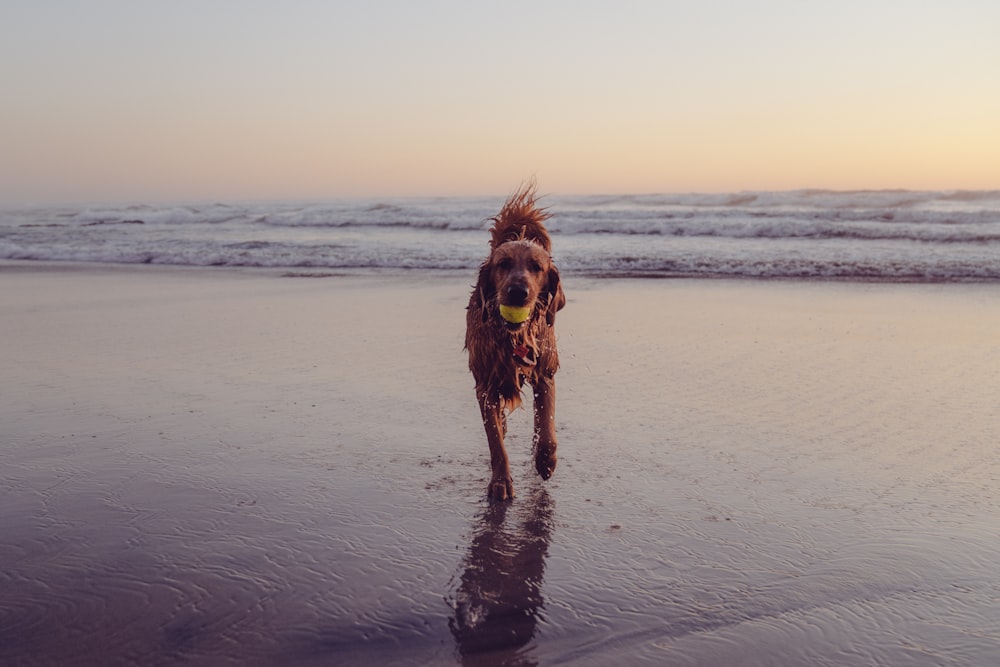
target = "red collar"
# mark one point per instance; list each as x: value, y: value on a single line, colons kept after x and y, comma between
x: 524, y: 355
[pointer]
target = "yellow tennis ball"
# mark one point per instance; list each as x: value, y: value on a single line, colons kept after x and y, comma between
x: 515, y: 314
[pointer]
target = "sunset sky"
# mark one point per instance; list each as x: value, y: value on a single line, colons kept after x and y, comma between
x: 119, y: 100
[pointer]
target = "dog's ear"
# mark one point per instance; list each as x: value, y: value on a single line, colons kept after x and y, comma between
x: 557, y: 299
x: 485, y: 289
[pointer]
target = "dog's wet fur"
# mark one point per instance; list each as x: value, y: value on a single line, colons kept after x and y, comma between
x: 518, y: 272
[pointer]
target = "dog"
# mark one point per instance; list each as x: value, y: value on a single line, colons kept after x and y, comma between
x: 510, y: 334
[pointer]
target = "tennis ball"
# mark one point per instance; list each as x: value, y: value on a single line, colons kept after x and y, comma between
x: 515, y: 314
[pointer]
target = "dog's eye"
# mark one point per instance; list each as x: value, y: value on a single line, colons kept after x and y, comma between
x: 506, y: 264
x: 535, y: 267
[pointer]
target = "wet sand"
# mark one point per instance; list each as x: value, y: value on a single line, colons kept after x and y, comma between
x: 234, y: 467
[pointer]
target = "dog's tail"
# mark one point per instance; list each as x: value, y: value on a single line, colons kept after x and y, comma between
x: 521, y: 219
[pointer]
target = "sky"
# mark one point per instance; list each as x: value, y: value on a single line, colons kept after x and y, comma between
x: 135, y: 101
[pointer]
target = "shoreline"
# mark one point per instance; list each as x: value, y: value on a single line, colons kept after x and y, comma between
x: 27, y: 265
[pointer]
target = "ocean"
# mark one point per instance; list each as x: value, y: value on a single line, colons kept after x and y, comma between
x: 227, y: 467
x: 883, y: 235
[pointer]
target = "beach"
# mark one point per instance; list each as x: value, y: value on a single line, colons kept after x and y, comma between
x: 242, y: 466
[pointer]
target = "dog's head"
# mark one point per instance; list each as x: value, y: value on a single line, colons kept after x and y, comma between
x: 520, y: 275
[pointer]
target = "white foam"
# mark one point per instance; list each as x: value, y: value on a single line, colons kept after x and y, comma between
x: 806, y: 234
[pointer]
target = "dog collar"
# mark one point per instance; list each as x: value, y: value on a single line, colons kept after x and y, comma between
x: 524, y: 355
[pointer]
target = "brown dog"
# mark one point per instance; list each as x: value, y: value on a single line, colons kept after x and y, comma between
x: 504, y: 352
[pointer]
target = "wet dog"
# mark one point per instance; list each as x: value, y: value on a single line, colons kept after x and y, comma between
x: 510, y: 333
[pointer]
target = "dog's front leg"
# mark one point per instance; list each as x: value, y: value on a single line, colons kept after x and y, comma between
x: 501, y: 484
x: 545, y: 426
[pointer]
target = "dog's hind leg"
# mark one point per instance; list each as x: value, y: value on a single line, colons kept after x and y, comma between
x: 501, y: 483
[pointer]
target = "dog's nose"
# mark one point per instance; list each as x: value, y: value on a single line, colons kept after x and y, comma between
x: 517, y: 294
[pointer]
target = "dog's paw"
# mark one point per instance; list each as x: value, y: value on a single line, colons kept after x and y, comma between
x: 545, y: 461
x: 500, y: 488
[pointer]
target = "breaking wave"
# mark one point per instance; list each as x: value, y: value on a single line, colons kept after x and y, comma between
x: 883, y: 234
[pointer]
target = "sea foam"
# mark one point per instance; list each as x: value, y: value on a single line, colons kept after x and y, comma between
x: 890, y: 234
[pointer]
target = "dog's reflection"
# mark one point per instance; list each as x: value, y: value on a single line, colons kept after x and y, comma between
x: 499, y: 594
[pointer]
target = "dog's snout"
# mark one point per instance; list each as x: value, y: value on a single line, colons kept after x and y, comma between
x: 517, y: 294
